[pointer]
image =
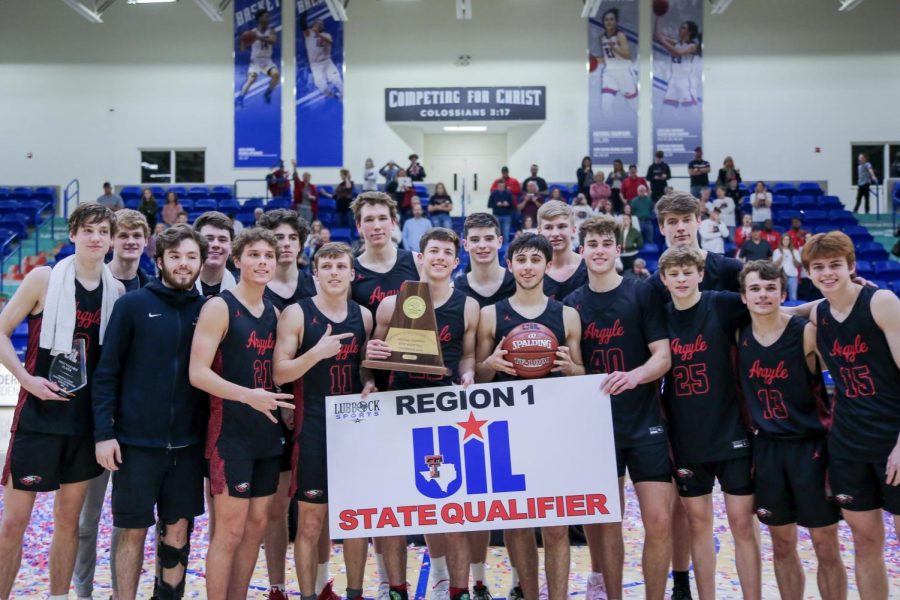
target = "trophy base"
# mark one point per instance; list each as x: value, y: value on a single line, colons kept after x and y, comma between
x: 408, y: 367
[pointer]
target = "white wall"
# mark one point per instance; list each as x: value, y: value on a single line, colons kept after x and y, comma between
x: 780, y: 79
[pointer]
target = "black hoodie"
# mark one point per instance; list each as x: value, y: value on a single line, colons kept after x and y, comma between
x: 141, y: 392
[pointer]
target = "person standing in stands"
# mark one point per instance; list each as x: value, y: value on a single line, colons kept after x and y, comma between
x: 584, y: 176
x: 439, y: 206
x: 698, y: 169
x: 512, y: 184
x: 658, y: 174
x: 540, y: 181
x: 502, y: 204
x: 865, y: 178
x: 171, y: 209
x: 306, y: 197
x: 110, y: 199
x: 415, y: 170
x: 343, y: 196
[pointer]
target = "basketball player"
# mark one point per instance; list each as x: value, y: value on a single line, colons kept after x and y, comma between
x: 624, y: 334
x: 231, y: 360
x: 528, y: 258
x: 709, y: 438
x: 318, y: 350
x: 488, y: 282
x: 148, y: 419
x: 129, y: 243
x: 566, y: 272
x: 51, y: 446
x: 783, y: 389
x: 617, y: 76
x: 318, y: 51
x: 858, y: 338
x: 457, y: 321
x: 218, y: 230
x: 684, y: 51
x: 265, y: 38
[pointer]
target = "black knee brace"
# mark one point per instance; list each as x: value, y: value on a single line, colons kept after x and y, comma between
x: 163, y: 591
x: 170, y: 557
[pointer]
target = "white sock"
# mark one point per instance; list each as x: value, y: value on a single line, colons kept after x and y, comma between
x: 477, y: 570
x: 439, y: 570
x: 382, y: 570
x: 59, y: 596
x: 595, y: 575
x: 322, y: 577
x: 515, y: 578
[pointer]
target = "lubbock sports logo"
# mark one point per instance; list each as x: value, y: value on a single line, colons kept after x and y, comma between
x: 439, y: 471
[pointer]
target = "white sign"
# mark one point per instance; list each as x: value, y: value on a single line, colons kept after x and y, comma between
x: 9, y: 388
x: 494, y: 456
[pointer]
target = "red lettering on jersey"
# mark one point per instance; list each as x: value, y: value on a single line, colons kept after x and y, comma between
x: 445, y: 336
x: 849, y: 351
x: 768, y: 374
x: 85, y: 318
x: 378, y: 295
x: 604, y: 335
x: 347, y: 350
x: 261, y: 345
x: 687, y: 351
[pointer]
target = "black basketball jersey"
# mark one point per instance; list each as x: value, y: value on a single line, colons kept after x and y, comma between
x: 866, y: 378
x: 306, y: 288
x: 244, y: 357
x: 507, y: 319
x: 210, y: 291
x: 506, y: 289
x: 371, y: 287
x: 720, y: 273
x: 616, y: 327
x: 75, y: 416
x: 701, y: 393
x: 783, y: 396
x: 558, y: 290
x: 451, y: 325
x: 335, y: 376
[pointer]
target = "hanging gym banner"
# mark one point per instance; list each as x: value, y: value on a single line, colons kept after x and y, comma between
x: 257, y: 83
x: 320, y: 86
x: 613, y: 83
x: 677, y: 78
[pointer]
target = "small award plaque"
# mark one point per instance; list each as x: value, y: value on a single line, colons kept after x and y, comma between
x: 69, y: 371
x: 412, y: 334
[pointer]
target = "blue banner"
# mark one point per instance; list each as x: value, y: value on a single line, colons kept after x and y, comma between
x: 678, y: 80
x: 257, y: 83
x: 613, y: 83
x: 320, y: 86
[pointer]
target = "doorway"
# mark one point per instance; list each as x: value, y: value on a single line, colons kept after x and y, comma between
x: 466, y: 164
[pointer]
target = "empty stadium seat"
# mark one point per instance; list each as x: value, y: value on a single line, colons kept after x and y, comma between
x: 178, y: 189
x: 131, y: 203
x: 132, y: 192
x: 342, y: 234
x: 830, y: 203
x: 44, y: 194
x: 198, y: 192
x: 229, y: 205
x: 858, y: 233
x: 16, y: 222
x: 841, y: 217
x: 804, y: 203
x: 282, y: 202
x: 33, y: 209
x: 253, y: 203
x: 781, y: 203
x: 245, y: 216
x: 20, y: 193
x: 5, y: 193
x: 810, y: 188
x: 221, y: 192
x: 865, y: 269
x: 895, y: 286
x: 888, y: 270
x: 7, y: 235
x: 784, y: 189
x: 158, y: 191
x: 206, y: 204
x: 811, y: 218
x: 187, y: 204
x: 871, y: 251
x: 650, y: 251
x: 825, y: 228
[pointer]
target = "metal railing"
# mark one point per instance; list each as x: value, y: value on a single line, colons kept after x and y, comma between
x: 74, y: 185
x: 17, y: 254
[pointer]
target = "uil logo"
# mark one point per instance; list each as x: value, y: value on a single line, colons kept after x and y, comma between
x: 762, y: 513
x: 439, y: 471
x: 30, y: 479
x: 843, y: 498
x: 242, y: 487
x: 684, y: 473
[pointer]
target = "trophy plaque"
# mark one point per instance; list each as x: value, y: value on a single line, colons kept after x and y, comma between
x: 412, y: 334
x: 69, y: 371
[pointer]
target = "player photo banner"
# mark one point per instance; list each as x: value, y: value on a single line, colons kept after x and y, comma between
x: 678, y: 78
x: 257, y: 83
x: 493, y: 456
x: 320, y: 86
x: 613, y: 83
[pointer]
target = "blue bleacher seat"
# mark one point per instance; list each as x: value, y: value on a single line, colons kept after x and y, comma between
x: 650, y: 251
x: 841, y: 217
x: 888, y: 270
x: 20, y: 193
x: 804, y: 203
x: 131, y: 191
x: 421, y: 190
x: 253, y: 203
x: 865, y: 269
x: 229, y: 205
x: 16, y: 222
x: 44, y: 194
x: 730, y: 248
x: 221, y: 192
x: 7, y: 235
x: 784, y: 216
x: 871, y: 251
x: 282, y: 202
x: 881, y: 284
x: 327, y: 188
x: 192, y: 215
x: 858, y: 233
x: 652, y: 266
x: 178, y: 189
x: 206, y: 204
x: 245, y: 216
x: 34, y: 209
x: 830, y: 203
x: 781, y: 203
x: 158, y: 192
x: 187, y: 204
x: 131, y: 203
x: 198, y: 191
x: 783, y: 189
x: 895, y: 286
x: 810, y: 188
x: 811, y: 218
x: 5, y: 193
x: 342, y: 234
x: 824, y: 228
x: 10, y: 206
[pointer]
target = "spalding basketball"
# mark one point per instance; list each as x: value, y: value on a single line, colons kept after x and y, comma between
x: 592, y: 63
x: 660, y: 7
x: 531, y: 348
x: 248, y: 37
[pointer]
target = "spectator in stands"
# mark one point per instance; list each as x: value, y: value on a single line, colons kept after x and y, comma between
x: 865, y: 177
x: 742, y: 233
x: 642, y: 210
x: 150, y: 250
x: 277, y: 181
x: 698, y: 169
x: 658, y: 174
x: 315, y: 230
x: 895, y: 166
x: 733, y: 191
x: 439, y: 206
x: 415, y: 171
x: 755, y: 248
x: 638, y: 270
x: 541, y: 183
x: 727, y: 209
x: 770, y: 234
x: 182, y: 218
x: 713, y: 233
x: 797, y: 233
x: 581, y: 210
x: 614, y: 180
x: 402, y: 193
x: 503, y: 206
x: 600, y: 190
x: 705, y: 202
x: 530, y: 201
x: 171, y: 209
x: 129, y: 243
x: 629, y: 211
x: 556, y: 194
x: 414, y: 228
x: 343, y: 196
x: 527, y: 227
x: 728, y: 173
x: 110, y: 199
x: 761, y: 203
x: 390, y: 172
x: 630, y: 185
x: 584, y: 176
x: 631, y: 242
x: 306, y: 196
x: 788, y: 258
x: 148, y: 207
x: 370, y: 176
x: 512, y: 184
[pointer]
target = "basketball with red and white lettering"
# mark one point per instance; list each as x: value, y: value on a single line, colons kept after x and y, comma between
x: 248, y: 37
x: 531, y: 348
x: 660, y: 7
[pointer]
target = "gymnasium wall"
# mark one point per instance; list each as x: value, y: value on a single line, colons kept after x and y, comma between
x: 781, y: 78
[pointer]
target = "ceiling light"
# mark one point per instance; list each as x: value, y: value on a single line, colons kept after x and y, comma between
x: 465, y: 128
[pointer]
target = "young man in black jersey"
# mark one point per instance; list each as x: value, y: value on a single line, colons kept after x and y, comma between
x: 218, y: 230
x: 858, y: 339
x: 624, y: 335
x: 457, y: 321
x: 231, y: 360
x: 488, y: 281
x: 709, y: 438
x: 565, y: 271
x: 528, y: 257
x: 784, y: 393
x: 51, y: 446
x: 318, y: 351
x: 148, y: 419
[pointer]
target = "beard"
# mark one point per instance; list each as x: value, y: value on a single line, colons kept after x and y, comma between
x: 176, y: 282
